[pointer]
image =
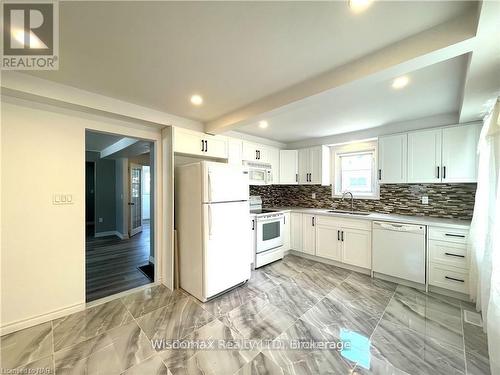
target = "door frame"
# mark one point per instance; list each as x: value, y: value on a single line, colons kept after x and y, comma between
x: 95, y: 205
x: 133, y: 231
x: 162, y: 232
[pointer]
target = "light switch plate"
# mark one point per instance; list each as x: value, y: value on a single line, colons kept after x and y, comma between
x: 425, y: 199
x: 61, y: 199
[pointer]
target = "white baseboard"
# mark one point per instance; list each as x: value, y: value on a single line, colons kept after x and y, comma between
x: 112, y: 233
x: 329, y: 261
x: 39, y: 319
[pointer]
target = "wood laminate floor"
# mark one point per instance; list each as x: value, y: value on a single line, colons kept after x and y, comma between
x: 111, y: 263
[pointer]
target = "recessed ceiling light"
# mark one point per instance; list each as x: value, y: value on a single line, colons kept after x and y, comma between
x: 400, y: 82
x: 358, y: 6
x: 263, y: 124
x: 196, y: 100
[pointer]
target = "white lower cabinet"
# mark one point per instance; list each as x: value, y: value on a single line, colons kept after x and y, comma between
x: 308, y: 234
x: 343, y: 240
x: 286, y: 232
x: 357, y: 247
x: 253, y: 238
x: 296, y: 231
x: 328, y: 243
x: 448, y: 259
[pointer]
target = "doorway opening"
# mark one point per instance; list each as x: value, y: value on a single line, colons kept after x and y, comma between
x: 119, y: 214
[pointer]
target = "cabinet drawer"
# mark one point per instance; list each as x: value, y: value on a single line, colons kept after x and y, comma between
x: 345, y: 223
x: 449, y: 253
x: 448, y: 234
x: 449, y: 278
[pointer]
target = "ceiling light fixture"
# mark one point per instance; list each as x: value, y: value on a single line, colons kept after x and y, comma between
x: 263, y: 124
x: 400, y: 82
x: 358, y: 6
x: 196, y: 100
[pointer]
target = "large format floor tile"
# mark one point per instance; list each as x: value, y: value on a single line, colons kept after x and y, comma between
x: 301, y: 316
x: 258, y: 319
x: 26, y: 346
x: 175, y: 321
x: 150, y: 299
x: 89, y: 323
x: 414, y: 353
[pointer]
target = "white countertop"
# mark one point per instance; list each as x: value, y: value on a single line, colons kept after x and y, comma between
x: 422, y: 220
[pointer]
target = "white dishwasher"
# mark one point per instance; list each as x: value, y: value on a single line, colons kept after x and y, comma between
x: 399, y: 250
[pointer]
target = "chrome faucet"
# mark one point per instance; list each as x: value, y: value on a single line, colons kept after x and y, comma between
x: 352, y: 199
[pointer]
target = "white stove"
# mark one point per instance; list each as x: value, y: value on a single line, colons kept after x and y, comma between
x: 268, y: 232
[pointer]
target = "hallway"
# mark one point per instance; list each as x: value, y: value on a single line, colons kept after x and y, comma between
x: 112, y: 264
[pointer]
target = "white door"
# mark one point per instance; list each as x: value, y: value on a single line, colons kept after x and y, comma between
x: 308, y: 234
x: 424, y: 156
x: 392, y: 159
x: 249, y: 151
x: 235, y: 151
x: 460, y: 153
x: 289, y: 167
x: 227, y: 245
x: 215, y: 146
x: 328, y: 244
x: 357, y: 247
x: 286, y: 232
x: 188, y: 143
x: 304, y: 166
x: 315, y: 165
x: 296, y: 231
x: 135, y: 201
x: 224, y: 183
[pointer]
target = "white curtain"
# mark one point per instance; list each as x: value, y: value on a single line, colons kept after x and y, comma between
x: 484, y: 236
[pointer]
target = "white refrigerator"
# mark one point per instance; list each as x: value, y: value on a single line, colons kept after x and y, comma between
x: 211, y: 219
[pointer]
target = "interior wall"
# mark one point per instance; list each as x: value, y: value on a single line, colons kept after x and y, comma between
x: 105, y: 192
x: 43, y: 245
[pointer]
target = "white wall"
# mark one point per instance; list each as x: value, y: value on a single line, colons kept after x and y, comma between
x: 43, y: 251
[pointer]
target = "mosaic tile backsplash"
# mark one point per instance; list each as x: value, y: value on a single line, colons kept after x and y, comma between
x: 454, y: 201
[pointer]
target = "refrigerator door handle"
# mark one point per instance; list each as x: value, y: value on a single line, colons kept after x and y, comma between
x: 209, y: 222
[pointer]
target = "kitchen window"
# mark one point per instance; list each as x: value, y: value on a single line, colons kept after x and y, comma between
x: 355, y: 170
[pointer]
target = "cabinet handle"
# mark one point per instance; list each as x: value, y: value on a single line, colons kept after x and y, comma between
x: 284, y: 220
x: 452, y: 278
x: 444, y: 172
x: 338, y: 235
x: 455, y: 235
x: 438, y: 172
x: 253, y: 224
x: 380, y: 174
x: 296, y: 177
x: 455, y: 255
x: 206, y: 146
x: 313, y: 221
x: 342, y: 237
x: 202, y: 145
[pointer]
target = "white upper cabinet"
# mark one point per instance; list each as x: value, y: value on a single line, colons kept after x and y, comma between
x: 424, y: 156
x: 195, y: 143
x: 234, y: 151
x: 392, y: 159
x: 443, y: 155
x: 263, y: 154
x: 314, y: 166
x: 289, y: 167
x: 460, y: 153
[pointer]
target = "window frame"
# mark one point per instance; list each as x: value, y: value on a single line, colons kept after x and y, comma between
x: 338, y: 151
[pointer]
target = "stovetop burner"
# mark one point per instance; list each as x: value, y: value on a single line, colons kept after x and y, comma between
x: 261, y: 211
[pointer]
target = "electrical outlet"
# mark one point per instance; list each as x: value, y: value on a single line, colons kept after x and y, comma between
x: 313, y: 195
x: 425, y: 199
x: 101, y: 220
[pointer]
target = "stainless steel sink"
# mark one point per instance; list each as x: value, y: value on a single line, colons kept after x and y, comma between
x: 349, y: 212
